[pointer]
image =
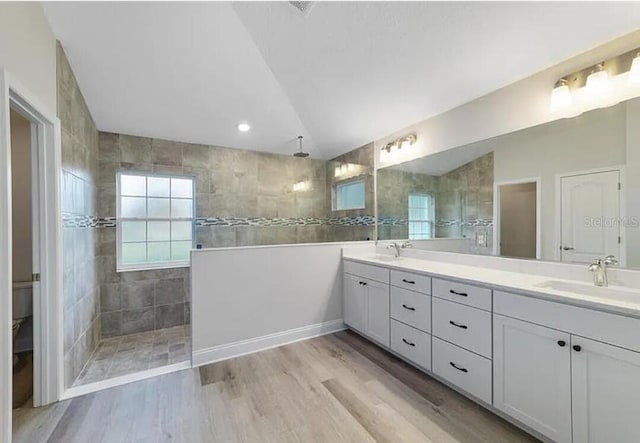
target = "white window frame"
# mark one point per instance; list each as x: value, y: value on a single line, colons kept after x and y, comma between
x: 344, y: 183
x: 122, y: 267
x: 430, y: 222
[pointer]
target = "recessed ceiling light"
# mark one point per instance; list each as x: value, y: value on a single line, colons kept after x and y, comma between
x: 243, y: 127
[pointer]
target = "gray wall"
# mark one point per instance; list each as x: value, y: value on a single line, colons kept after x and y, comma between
x: 81, y: 292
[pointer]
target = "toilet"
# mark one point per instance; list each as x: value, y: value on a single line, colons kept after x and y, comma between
x: 22, y: 311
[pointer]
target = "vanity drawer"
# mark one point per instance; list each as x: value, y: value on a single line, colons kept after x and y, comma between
x: 367, y: 271
x: 411, y: 343
x: 467, y: 327
x: 413, y: 282
x: 412, y: 308
x: 464, y: 369
x: 462, y: 293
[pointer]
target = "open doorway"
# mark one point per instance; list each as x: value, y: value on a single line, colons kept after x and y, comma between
x: 22, y: 152
x: 518, y: 219
x: 30, y: 297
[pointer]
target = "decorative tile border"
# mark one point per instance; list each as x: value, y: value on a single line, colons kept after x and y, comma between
x: 395, y: 221
x: 70, y: 220
x: 83, y: 221
x: 362, y: 220
x: 88, y: 221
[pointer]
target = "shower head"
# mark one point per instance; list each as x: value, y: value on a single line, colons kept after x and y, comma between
x: 301, y: 154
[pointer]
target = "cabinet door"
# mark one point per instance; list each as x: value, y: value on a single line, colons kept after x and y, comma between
x: 377, y: 321
x: 605, y: 392
x: 532, y: 376
x: 354, y: 302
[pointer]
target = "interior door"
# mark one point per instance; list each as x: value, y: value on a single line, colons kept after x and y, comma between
x: 589, y: 216
x: 532, y: 376
x: 605, y: 392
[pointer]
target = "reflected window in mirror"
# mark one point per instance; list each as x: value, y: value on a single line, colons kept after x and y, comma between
x: 349, y: 195
x: 420, y: 216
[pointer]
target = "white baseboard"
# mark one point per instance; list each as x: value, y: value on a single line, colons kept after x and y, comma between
x: 244, y: 347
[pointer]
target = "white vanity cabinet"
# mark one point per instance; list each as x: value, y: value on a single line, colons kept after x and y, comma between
x: 563, y: 384
x: 569, y: 373
x: 366, y: 301
x: 532, y: 376
x: 605, y: 383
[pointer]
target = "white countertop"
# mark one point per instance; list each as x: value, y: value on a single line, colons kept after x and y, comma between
x: 615, y: 299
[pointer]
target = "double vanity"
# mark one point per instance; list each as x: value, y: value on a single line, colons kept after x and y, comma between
x: 560, y: 358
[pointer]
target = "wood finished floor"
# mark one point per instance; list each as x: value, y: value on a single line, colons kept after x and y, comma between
x: 335, y: 388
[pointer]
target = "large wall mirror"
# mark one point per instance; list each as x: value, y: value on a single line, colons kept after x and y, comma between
x: 568, y: 190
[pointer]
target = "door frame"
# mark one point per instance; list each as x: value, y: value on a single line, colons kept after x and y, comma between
x: 47, y: 307
x: 496, y: 212
x: 622, y: 205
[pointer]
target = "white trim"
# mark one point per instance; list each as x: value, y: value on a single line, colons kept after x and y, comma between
x: 47, y: 308
x: 90, y: 388
x: 496, y: 212
x: 622, y: 206
x: 257, y: 344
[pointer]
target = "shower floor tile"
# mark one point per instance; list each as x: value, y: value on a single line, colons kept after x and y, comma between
x: 128, y: 354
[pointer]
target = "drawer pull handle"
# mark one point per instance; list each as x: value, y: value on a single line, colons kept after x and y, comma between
x: 408, y: 342
x: 462, y: 294
x: 408, y: 308
x: 458, y: 367
x: 562, y: 343
x: 577, y: 348
x: 411, y: 282
x: 457, y: 325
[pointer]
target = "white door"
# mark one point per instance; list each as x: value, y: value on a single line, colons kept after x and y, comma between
x: 354, y: 302
x: 377, y: 321
x: 589, y: 216
x: 532, y: 376
x: 606, y: 393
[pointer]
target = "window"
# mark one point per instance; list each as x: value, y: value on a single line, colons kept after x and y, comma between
x: 420, y: 216
x: 154, y: 220
x: 349, y: 195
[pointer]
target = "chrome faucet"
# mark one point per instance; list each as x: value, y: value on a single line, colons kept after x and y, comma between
x: 599, y: 269
x: 397, y: 246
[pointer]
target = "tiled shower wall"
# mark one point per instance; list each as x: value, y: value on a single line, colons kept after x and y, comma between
x: 243, y: 198
x: 463, y: 201
x: 136, y: 301
x: 79, y: 196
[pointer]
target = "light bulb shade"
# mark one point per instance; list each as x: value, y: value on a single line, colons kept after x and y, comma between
x: 561, y: 96
x: 598, y: 83
x: 634, y: 72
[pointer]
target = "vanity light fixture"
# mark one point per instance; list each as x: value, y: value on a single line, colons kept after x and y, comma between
x: 394, y: 147
x: 605, y: 84
x: 634, y: 72
x: 561, y: 95
x: 598, y: 81
x: 244, y: 127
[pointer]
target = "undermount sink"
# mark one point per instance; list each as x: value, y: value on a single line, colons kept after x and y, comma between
x: 610, y: 292
x: 383, y: 257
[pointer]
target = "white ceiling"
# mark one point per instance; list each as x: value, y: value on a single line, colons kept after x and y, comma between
x: 342, y: 75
